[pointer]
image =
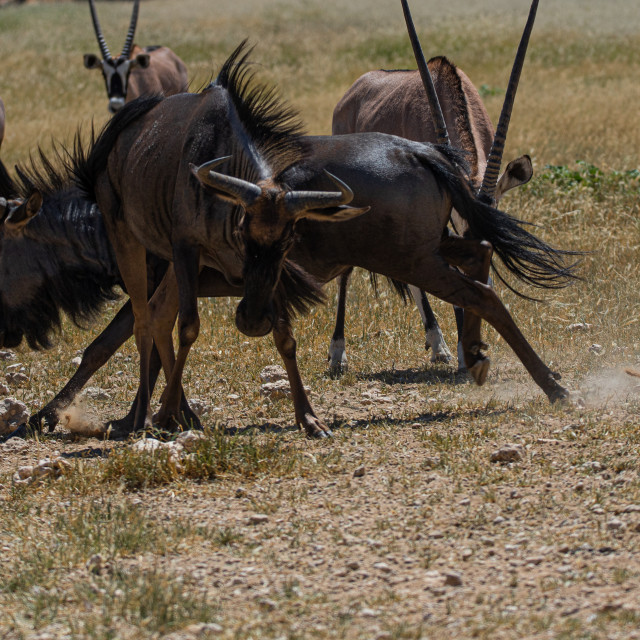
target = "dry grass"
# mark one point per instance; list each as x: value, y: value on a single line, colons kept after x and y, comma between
x: 127, y: 546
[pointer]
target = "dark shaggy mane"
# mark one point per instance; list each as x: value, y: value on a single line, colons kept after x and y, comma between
x: 297, y: 292
x: 273, y: 127
x: 49, y: 177
x: 88, y: 161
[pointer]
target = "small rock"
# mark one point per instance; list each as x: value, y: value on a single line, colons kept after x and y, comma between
x: 369, y: 613
x: 17, y: 379
x: 382, y: 566
x: 359, y: 472
x: 273, y: 373
x: 258, y: 518
x: 204, y: 629
x: 95, y: 563
x: 4, y: 390
x: 616, y: 524
x: 596, y: 349
x: 76, y: 361
x: 241, y: 492
x: 190, y: 440
x: 276, y: 390
x: 453, y: 579
x: 12, y: 413
x: 579, y: 326
x: 95, y: 393
x: 15, y: 445
x: 200, y: 407
x: 7, y: 355
x: 508, y: 453
x: 268, y: 604
x: 354, y: 565
x: 149, y: 445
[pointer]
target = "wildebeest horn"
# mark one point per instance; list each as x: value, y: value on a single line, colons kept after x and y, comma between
x: 298, y: 201
x: 126, y: 49
x: 96, y: 26
x: 434, y: 104
x: 3, y: 207
x: 492, y: 172
x: 241, y: 190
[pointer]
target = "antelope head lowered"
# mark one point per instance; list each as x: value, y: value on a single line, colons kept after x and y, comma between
x: 267, y: 229
x: 156, y: 69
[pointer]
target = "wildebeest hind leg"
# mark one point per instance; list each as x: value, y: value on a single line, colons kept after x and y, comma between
x: 337, y: 355
x: 304, y: 413
x: 457, y: 288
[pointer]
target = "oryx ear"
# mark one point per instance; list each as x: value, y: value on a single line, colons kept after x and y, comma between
x: 518, y: 172
x: 142, y: 60
x: 20, y: 217
x: 333, y: 214
x: 92, y: 61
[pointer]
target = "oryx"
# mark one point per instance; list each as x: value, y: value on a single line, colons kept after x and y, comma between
x: 398, y: 102
x: 136, y: 71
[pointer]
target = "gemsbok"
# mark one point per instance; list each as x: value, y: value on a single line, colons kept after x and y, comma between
x: 136, y: 71
x: 394, y: 102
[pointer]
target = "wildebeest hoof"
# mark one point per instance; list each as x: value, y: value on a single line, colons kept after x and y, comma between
x: 480, y: 370
x: 558, y: 394
x: 556, y: 376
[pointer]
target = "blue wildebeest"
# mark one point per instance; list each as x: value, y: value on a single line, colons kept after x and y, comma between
x: 394, y: 102
x: 135, y: 71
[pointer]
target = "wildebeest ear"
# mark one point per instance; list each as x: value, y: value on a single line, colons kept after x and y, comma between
x: 518, y: 171
x: 22, y: 214
x: 334, y: 214
x: 91, y: 61
x: 142, y: 60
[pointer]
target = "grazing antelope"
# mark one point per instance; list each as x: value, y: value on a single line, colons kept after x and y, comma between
x: 394, y: 102
x: 135, y: 71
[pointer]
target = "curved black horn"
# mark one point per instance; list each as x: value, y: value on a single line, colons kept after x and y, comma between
x: 490, y: 180
x: 126, y: 49
x: 434, y: 104
x: 96, y: 27
x: 299, y: 201
x: 241, y: 190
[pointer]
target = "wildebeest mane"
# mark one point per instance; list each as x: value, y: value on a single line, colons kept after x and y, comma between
x: 76, y: 282
x: 297, y: 292
x: 270, y: 126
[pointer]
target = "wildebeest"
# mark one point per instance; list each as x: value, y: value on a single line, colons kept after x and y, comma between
x: 398, y: 102
x: 136, y: 71
x: 139, y: 174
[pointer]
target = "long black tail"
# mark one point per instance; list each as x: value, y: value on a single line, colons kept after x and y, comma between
x: 526, y: 256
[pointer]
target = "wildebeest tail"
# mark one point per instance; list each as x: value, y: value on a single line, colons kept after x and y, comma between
x: 87, y: 163
x: 525, y: 255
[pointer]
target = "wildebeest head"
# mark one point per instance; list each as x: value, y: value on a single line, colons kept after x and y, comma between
x: 267, y: 229
x: 116, y: 70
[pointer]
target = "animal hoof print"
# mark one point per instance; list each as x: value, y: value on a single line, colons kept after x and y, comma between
x: 480, y: 371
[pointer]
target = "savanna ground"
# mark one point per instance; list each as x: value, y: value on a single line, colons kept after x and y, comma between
x: 400, y: 526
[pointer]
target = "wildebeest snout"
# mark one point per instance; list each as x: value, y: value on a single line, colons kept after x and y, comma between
x: 254, y: 323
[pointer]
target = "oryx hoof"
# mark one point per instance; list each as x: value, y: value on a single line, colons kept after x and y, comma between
x: 337, y: 358
x: 462, y: 367
x: 439, y: 351
x: 558, y: 394
x: 314, y: 428
x: 480, y: 370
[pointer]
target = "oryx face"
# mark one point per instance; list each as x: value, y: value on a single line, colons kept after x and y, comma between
x: 115, y: 72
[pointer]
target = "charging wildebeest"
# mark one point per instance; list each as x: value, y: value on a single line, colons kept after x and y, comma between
x: 394, y: 102
x: 135, y: 71
x: 412, y: 187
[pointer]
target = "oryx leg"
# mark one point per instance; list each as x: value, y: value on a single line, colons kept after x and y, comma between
x: 337, y: 355
x: 480, y: 299
x: 473, y: 257
x: 304, y: 413
x: 434, y: 339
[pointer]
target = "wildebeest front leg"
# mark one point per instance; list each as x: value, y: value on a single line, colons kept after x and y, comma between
x: 337, y: 356
x: 304, y: 413
x: 473, y: 257
x: 184, y: 288
x: 457, y: 288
